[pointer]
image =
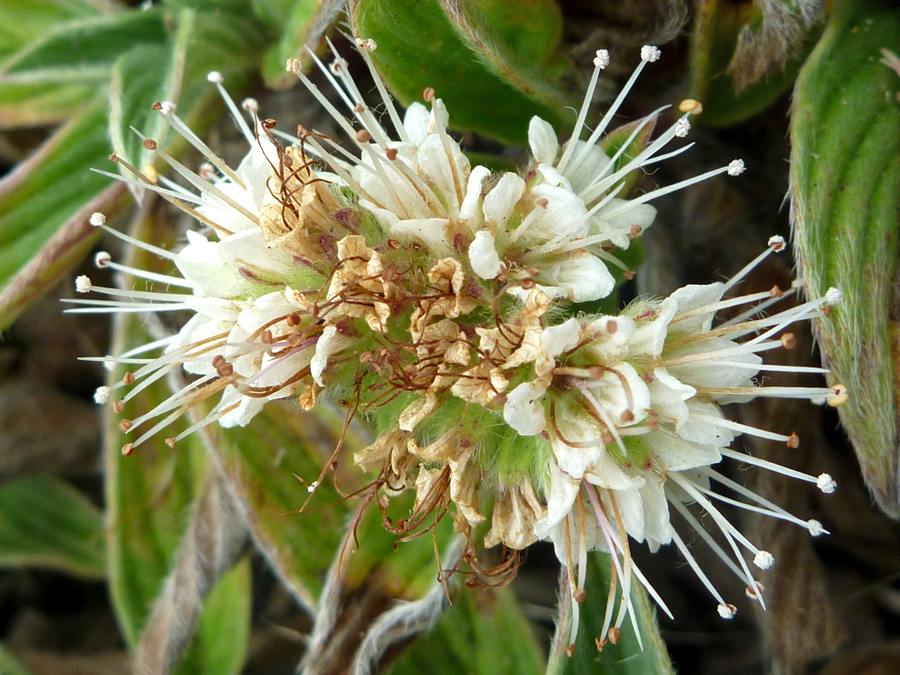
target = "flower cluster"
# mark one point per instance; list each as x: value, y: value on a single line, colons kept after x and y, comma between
x: 441, y: 302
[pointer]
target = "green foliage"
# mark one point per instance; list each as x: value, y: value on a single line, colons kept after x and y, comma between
x: 49, y: 199
x: 627, y: 657
x: 439, y: 44
x: 465, y: 639
x: 845, y: 181
x: 44, y: 522
x: 715, y: 81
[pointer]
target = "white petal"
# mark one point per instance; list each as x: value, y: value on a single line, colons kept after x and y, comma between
x: 473, y: 192
x: 543, y: 141
x: 523, y: 410
x: 501, y: 200
x: 617, y: 228
x: 694, y: 296
x: 483, y: 255
x: 430, y: 231
x: 563, y: 219
x: 415, y: 121
x: 583, y: 276
x: 438, y: 169
x: 650, y: 336
x: 561, y: 338
x: 325, y: 347
x: 561, y: 497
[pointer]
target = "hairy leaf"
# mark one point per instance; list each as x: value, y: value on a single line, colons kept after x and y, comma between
x: 845, y: 183
x: 45, y: 522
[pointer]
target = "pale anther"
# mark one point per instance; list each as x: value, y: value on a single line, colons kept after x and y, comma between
x: 834, y: 296
x: 726, y: 611
x: 97, y: 219
x: 650, y: 54
x: 736, y: 167
x: 83, y: 284
x: 682, y: 128
x: 102, y: 259
x: 826, y: 483
x: 838, y: 397
x: 763, y: 560
x: 776, y: 243
x: 815, y: 527
x: 215, y: 77
x: 601, y: 60
x: 101, y: 396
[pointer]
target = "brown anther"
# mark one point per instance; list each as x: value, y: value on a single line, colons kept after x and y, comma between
x: 118, y: 407
x: 612, y: 326
x: 156, y: 106
x: 826, y: 311
x: 359, y: 108
x: 579, y: 595
x: 363, y: 136
x: 839, y: 396
x: 627, y: 416
x: 365, y: 357
x: 628, y: 275
x: 570, y: 650
x: 596, y: 372
x: 636, y: 230
x: 394, y: 245
x: 225, y: 370
x: 600, y: 643
x: 614, y: 635
x: 269, y: 123
x: 542, y: 202
x: 128, y: 378
x: 293, y: 319
x: 754, y: 593
x: 125, y: 425
x: 607, y: 438
x: 127, y: 449
x: 428, y: 94
x: 471, y: 583
x: 793, y: 440
x: 217, y: 361
x: 528, y: 284
x: 266, y: 337
x: 788, y: 341
x: 391, y: 154
x: 170, y: 442
x: 776, y: 292
x: 652, y: 422
x: 149, y: 144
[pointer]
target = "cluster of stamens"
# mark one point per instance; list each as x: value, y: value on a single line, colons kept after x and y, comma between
x: 440, y: 302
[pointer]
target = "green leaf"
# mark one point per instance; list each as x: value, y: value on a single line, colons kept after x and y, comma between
x: 44, y: 522
x: 845, y: 181
x: 294, y: 19
x: 432, y: 43
x: 77, y: 59
x: 718, y: 25
x: 22, y: 21
x: 265, y: 462
x: 44, y: 207
x: 10, y: 665
x: 465, y: 639
x: 149, y: 494
x: 220, y: 644
x: 624, y: 658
